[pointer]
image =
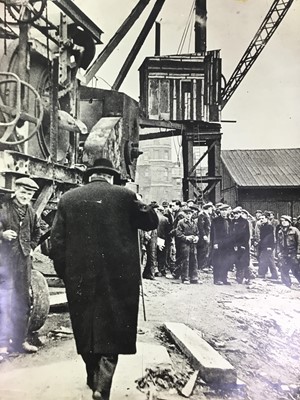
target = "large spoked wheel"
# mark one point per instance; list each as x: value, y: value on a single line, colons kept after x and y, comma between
x: 14, y: 116
x: 25, y: 11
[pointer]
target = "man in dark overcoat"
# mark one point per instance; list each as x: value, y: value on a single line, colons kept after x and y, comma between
x: 163, y: 241
x: 288, y: 250
x: 266, y: 246
x: 240, y: 232
x: 220, y: 246
x: 95, y: 251
x: 19, y: 235
x: 204, y: 224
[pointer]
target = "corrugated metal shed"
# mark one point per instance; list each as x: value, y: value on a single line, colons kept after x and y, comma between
x: 263, y: 168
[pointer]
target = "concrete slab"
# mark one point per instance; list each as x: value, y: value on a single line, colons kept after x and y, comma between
x: 65, y: 380
x: 212, y: 366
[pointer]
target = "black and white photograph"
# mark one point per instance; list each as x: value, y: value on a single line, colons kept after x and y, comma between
x: 149, y: 199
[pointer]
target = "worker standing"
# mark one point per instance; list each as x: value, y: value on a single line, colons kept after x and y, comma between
x: 288, y: 250
x: 19, y: 235
x: 241, y: 245
x: 187, y: 236
x: 221, y: 246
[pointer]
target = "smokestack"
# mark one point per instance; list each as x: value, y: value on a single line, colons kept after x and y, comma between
x: 157, y: 39
x: 200, y: 26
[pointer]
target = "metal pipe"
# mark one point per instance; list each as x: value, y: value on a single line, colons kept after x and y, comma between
x: 157, y: 39
x: 138, y: 44
x: 200, y: 26
x: 115, y: 40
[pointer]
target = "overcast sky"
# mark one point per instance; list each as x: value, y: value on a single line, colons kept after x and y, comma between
x: 266, y: 105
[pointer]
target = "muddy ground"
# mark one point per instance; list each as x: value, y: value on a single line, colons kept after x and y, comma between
x: 255, y: 327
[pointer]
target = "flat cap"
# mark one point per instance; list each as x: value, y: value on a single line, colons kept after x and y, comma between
x: 190, y: 201
x: 245, y: 211
x: 154, y: 204
x: 186, y: 209
x: 27, y: 183
x: 219, y: 205
x: 287, y: 218
x: 207, y: 205
x: 224, y: 207
x: 165, y: 203
x: 237, y: 209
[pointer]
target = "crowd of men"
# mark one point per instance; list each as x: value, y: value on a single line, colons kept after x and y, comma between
x: 95, y: 250
x: 192, y: 238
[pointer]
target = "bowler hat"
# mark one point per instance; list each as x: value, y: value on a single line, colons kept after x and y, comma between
x: 27, y: 183
x: 103, y: 165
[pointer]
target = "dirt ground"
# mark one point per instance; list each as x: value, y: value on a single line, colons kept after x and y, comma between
x: 255, y: 327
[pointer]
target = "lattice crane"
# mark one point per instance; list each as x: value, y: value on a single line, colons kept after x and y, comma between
x: 269, y: 25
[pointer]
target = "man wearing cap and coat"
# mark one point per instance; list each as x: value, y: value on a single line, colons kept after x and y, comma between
x: 19, y: 235
x: 95, y: 251
x: 187, y: 236
x: 288, y: 250
x: 240, y: 235
x: 204, y: 224
x: 220, y: 246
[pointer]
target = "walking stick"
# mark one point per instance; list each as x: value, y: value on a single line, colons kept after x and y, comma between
x: 141, y: 278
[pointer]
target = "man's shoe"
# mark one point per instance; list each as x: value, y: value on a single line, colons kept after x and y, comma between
x: 226, y: 283
x: 152, y: 278
x: 219, y: 283
x: 186, y: 282
x: 194, y: 281
x: 29, y: 348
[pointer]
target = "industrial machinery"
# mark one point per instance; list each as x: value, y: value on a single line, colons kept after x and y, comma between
x: 52, y: 127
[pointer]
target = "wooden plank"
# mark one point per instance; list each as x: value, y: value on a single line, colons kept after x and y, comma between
x: 43, y: 199
x: 212, y: 366
x: 187, y: 390
x: 155, y: 123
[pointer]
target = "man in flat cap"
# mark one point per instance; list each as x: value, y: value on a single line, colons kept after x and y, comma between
x: 95, y: 251
x: 288, y: 250
x: 266, y: 246
x: 220, y: 244
x: 204, y: 224
x: 240, y: 234
x: 187, y: 236
x: 19, y: 235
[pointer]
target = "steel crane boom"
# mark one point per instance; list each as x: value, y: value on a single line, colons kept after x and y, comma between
x: 269, y: 25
